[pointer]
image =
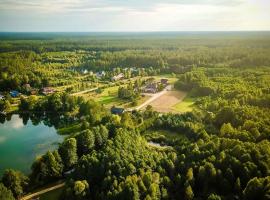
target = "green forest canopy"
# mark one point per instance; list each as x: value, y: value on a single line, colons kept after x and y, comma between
x: 223, y: 151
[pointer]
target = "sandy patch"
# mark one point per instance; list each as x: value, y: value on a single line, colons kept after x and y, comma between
x: 165, y: 102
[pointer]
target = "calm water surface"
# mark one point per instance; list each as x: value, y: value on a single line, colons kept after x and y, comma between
x: 20, y: 144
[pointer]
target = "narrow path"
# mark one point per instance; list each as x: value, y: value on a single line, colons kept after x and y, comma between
x: 85, y: 91
x: 154, y: 97
x: 30, y: 196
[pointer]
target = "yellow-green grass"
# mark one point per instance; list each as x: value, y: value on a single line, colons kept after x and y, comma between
x: 13, y: 108
x: 108, y: 96
x: 69, y: 129
x: 108, y: 99
x: 173, y: 135
x: 184, y: 106
x: 110, y: 91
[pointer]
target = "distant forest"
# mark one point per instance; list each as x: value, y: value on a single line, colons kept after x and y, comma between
x: 218, y: 151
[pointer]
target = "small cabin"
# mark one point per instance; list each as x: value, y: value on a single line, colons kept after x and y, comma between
x: 164, y: 81
x: 27, y: 87
x: 100, y: 74
x: 118, y: 77
x: 34, y: 91
x: 14, y: 93
x: 48, y: 90
x: 117, y: 111
x: 85, y: 71
x: 151, y: 88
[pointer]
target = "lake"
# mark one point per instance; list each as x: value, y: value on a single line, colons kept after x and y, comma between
x: 20, y: 144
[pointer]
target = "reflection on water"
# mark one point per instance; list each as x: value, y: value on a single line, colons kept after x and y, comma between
x: 21, y: 140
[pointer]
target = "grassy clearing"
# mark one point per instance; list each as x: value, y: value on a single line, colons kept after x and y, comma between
x: 110, y: 91
x: 108, y: 100
x: 13, y: 108
x: 109, y: 96
x: 69, y: 129
x: 168, y: 134
x: 165, y: 138
x: 166, y: 101
x: 184, y: 106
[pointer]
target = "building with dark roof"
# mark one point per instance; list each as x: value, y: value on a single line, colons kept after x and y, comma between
x: 117, y: 111
x: 14, y: 93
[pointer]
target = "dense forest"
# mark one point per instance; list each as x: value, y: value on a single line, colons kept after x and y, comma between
x: 219, y: 150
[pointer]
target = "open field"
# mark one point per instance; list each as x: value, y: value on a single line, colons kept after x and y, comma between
x: 109, y: 96
x: 184, y: 106
x: 167, y: 134
x: 167, y: 100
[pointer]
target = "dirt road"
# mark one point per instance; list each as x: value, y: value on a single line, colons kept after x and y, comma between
x: 30, y: 196
x: 153, y: 97
x: 166, y: 102
x: 162, y: 101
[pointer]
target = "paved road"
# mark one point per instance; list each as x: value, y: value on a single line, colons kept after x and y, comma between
x: 30, y: 196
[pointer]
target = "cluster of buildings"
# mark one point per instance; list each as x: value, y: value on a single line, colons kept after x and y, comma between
x: 118, y: 77
x: 100, y: 74
x: 30, y: 90
x: 13, y: 94
x: 153, y: 87
x: 48, y: 90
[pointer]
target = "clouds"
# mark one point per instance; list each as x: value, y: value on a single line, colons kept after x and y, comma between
x: 88, y: 5
x: 133, y: 15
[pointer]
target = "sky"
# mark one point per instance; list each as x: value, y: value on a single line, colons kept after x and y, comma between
x: 133, y: 15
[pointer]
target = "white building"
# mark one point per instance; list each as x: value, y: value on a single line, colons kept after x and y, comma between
x: 118, y: 77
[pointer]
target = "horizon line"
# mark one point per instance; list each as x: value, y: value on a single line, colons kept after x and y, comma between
x: 161, y: 31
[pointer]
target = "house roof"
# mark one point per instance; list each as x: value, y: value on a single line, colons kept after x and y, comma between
x: 14, y: 93
x: 115, y: 110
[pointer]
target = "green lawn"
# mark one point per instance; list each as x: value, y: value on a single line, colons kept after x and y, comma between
x: 109, y: 96
x: 109, y: 100
x: 69, y: 129
x: 110, y: 91
x: 13, y: 108
x: 184, y: 106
